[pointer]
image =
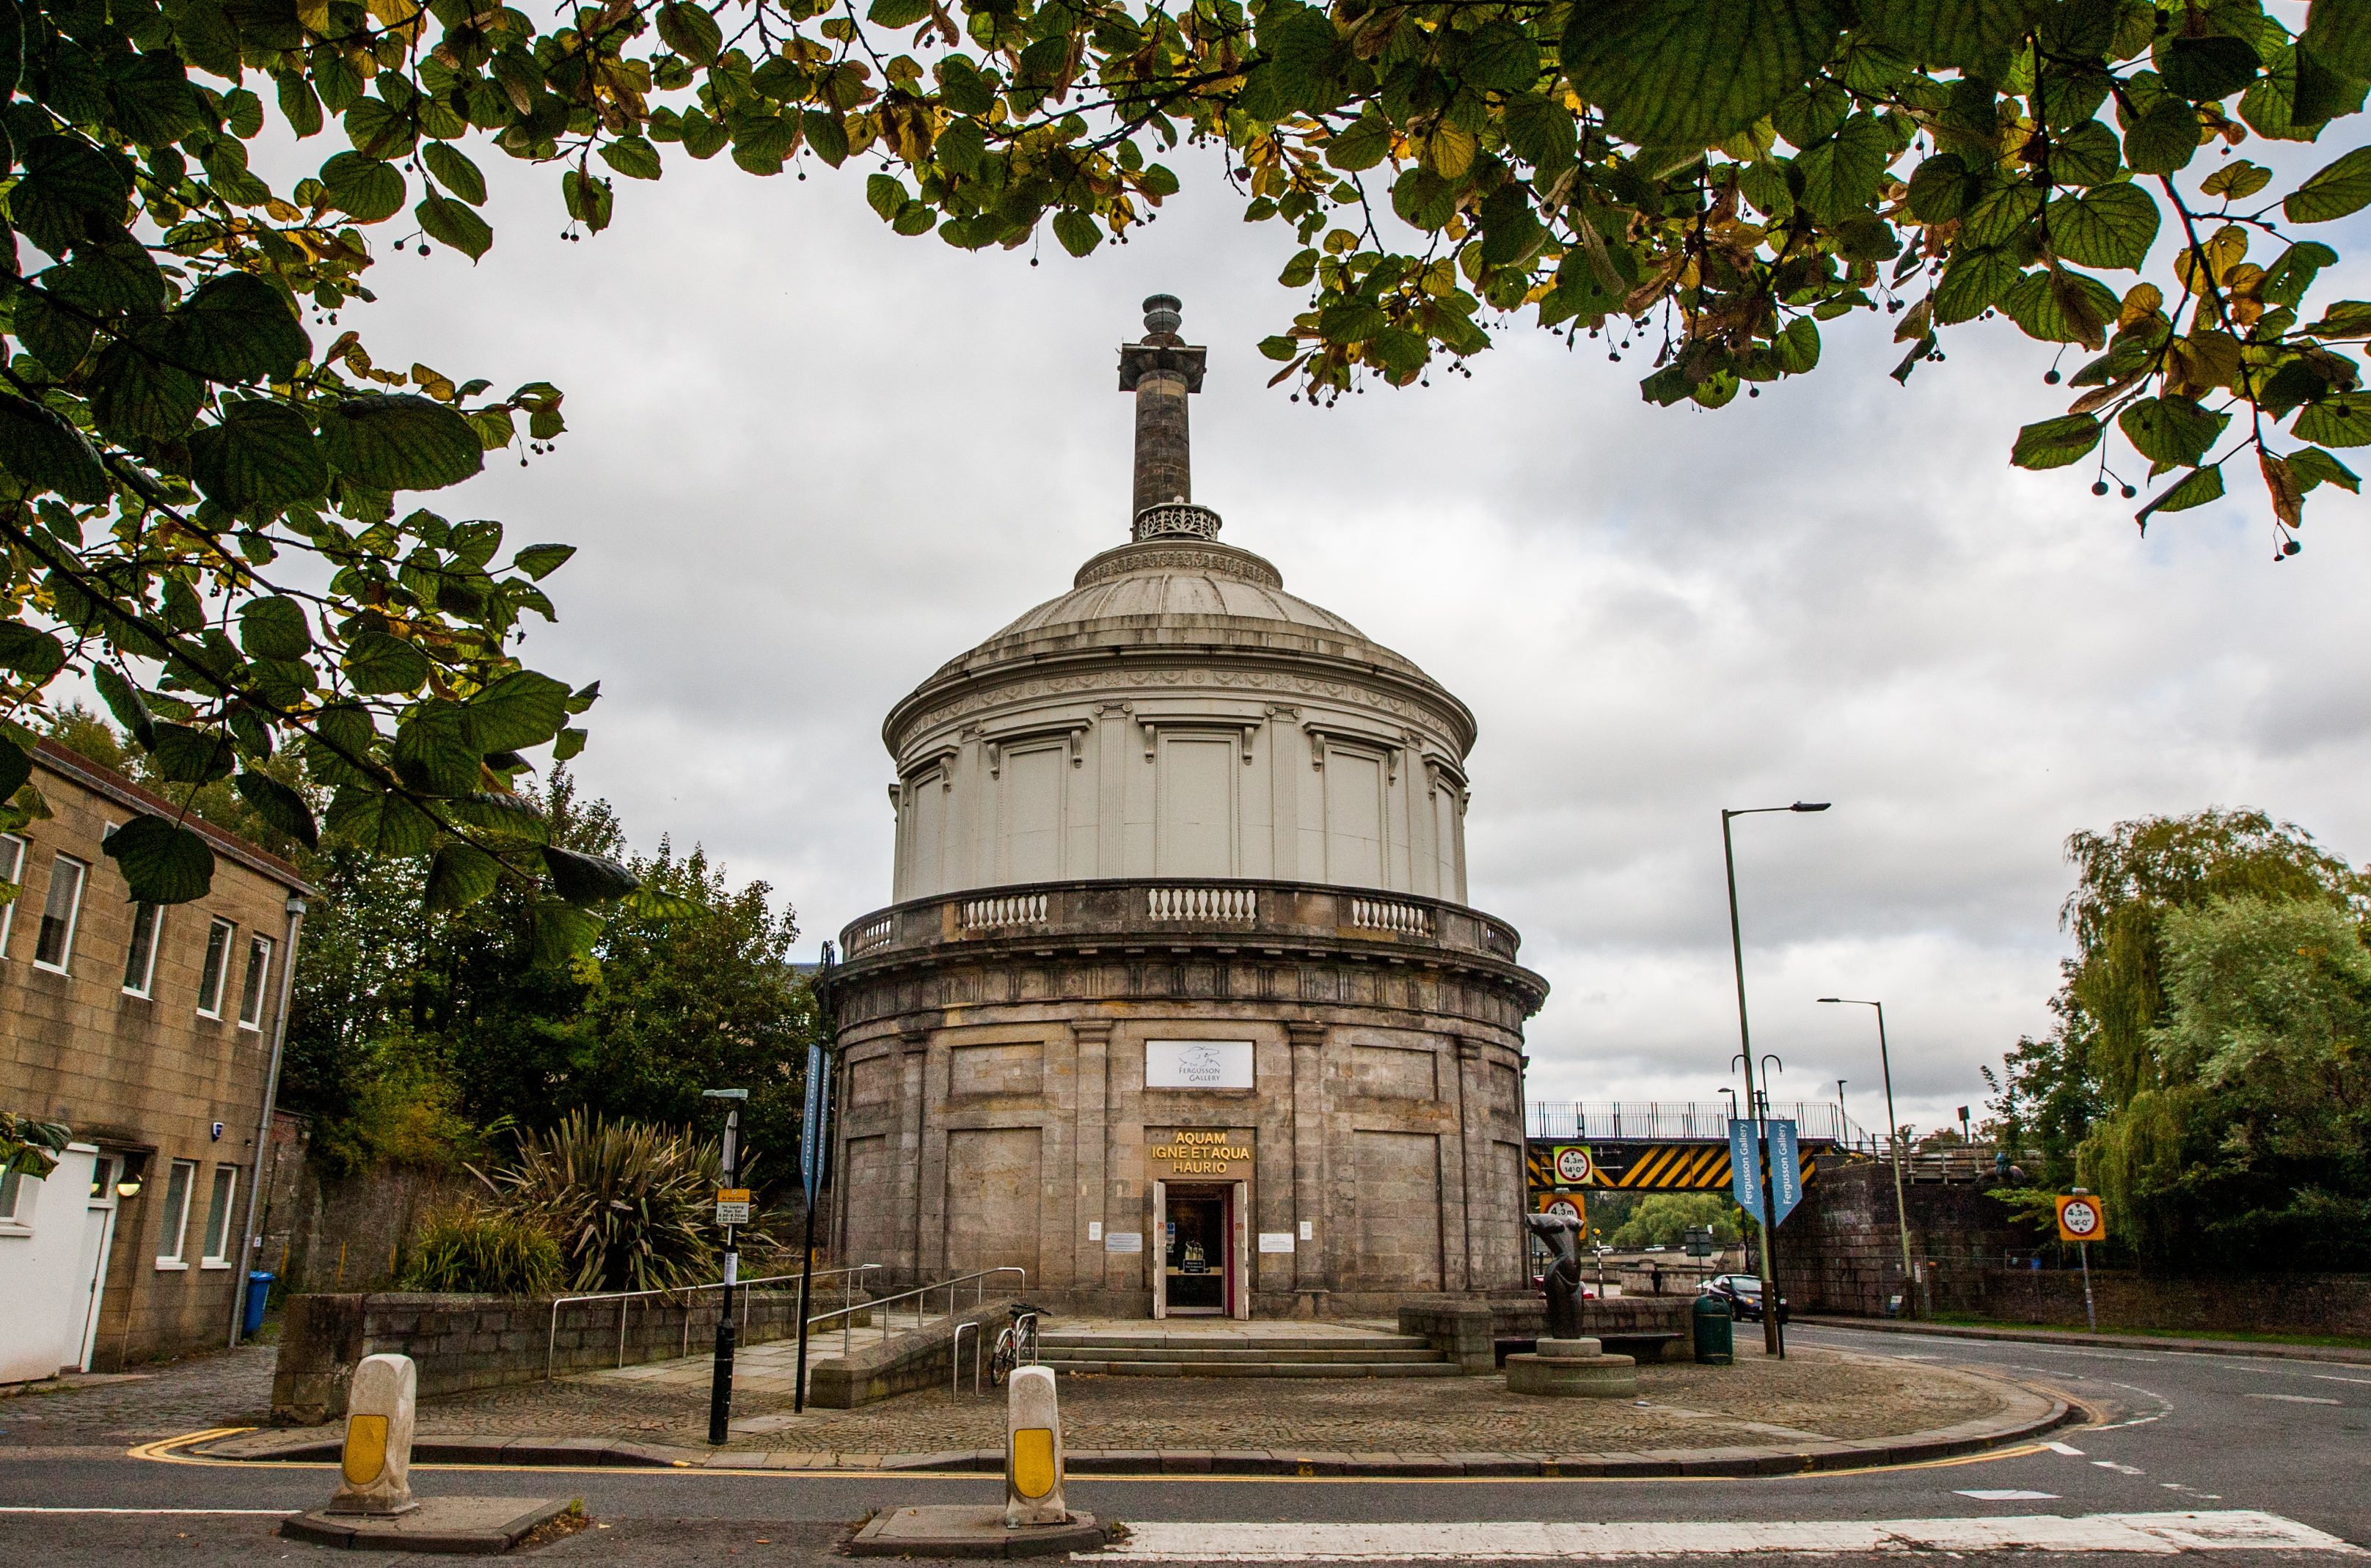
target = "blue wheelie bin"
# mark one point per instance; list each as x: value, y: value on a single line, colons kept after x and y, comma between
x: 258, y: 1290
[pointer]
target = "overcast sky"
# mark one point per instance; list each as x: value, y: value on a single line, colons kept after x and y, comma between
x: 808, y: 461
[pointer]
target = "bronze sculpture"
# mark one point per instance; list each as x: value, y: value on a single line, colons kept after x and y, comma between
x: 1562, y: 1233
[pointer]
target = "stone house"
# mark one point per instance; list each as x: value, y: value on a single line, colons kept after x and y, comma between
x: 151, y: 1032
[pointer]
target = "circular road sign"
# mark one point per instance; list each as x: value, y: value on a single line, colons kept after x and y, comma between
x: 1572, y: 1165
x: 1565, y: 1207
x: 2079, y: 1219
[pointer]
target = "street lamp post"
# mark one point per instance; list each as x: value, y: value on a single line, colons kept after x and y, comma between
x: 1893, y: 1142
x: 1771, y: 1338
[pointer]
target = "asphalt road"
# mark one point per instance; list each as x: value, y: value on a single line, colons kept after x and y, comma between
x: 2173, y: 1432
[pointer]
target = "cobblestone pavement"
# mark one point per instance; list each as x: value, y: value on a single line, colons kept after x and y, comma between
x: 1815, y: 1394
x: 233, y: 1389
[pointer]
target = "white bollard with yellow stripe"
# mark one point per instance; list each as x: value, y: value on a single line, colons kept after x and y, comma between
x: 375, y: 1470
x: 1032, y: 1451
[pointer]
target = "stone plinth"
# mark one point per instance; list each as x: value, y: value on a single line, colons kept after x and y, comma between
x: 1575, y: 1368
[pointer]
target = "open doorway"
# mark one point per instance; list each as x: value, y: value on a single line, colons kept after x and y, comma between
x: 1198, y: 1261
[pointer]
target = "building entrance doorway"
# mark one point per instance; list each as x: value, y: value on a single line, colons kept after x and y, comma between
x: 1200, y: 1268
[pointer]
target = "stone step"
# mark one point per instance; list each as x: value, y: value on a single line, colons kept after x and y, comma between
x: 1245, y: 1355
x: 1263, y: 1344
x: 1254, y: 1368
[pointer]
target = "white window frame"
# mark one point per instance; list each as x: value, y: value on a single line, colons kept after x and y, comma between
x: 211, y: 1007
x: 254, y: 987
x: 12, y: 850
x: 176, y: 1223
x: 65, y: 964
x: 153, y: 916
x: 214, y: 1246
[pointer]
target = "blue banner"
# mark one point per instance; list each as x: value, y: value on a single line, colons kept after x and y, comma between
x: 1744, y: 1168
x: 1786, y: 1169
x: 815, y: 1125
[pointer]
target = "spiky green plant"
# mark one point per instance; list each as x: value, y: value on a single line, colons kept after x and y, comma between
x: 482, y: 1251
x: 627, y: 1201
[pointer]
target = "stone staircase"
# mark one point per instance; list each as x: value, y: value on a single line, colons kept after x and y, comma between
x: 1157, y: 1353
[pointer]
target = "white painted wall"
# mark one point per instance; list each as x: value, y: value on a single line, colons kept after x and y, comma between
x: 50, y: 1257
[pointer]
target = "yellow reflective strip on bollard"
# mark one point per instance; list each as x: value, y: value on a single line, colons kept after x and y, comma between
x: 1032, y: 1461
x: 366, y: 1453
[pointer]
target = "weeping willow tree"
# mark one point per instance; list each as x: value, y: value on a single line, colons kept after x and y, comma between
x: 2207, y: 1065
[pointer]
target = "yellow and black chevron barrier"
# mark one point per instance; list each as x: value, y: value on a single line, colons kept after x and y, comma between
x: 1639, y: 1167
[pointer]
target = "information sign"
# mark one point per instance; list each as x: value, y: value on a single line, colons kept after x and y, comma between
x: 2082, y: 1218
x: 731, y: 1205
x: 814, y: 1129
x: 1786, y: 1169
x: 1744, y: 1168
x: 1573, y: 1166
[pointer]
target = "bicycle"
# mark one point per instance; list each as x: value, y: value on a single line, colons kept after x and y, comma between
x: 1016, y: 1346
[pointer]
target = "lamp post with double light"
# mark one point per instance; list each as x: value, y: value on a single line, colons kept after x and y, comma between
x: 1771, y: 1338
x: 1893, y: 1141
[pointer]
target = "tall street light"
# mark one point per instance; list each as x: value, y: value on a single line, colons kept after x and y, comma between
x: 1893, y: 1138
x: 1772, y: 1341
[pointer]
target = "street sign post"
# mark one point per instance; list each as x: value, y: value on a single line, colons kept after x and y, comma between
x: 814, y: 1133
x: 2083, y: 1219
x: 731, y: 1209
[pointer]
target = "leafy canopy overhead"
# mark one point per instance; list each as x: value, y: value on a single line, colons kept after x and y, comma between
x: 199, y: 496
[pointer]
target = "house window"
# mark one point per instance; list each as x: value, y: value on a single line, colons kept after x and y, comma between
x: 12, y: 868
x: 140, y: 958
x: 218, y: 1207
x: 59, y: 913
x: 176, y: 1218
x: 210, y: 979
x: 250, y: 994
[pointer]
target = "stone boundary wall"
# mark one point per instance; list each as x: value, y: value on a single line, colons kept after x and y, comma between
x: 2279, y: 1303
x: 1466, y: 1329
x: 905, y: 1361
x: 461, y: 1343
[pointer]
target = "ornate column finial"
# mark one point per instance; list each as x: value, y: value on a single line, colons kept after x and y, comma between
x: 1161, y: 370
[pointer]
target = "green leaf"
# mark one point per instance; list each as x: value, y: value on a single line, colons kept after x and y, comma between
x: 897, y: 13
x: 454, y: 170
x: 2345, y: 318
x: 393, y: 441
x: 1538, y: 130
x: 59, y: 338
x: 16, y: 767
x: 562, y: 933
x: 461, y: 875
x: 366, y: 189
x: 540, y: 561
x: 885, y: 193
x: 1973, y: 280
x: 433, y: 752
x: 1500, y: 56
x: 45, y: 453
x: 134, y: 396
x: 1946, y: 32
x: 521, y: 710
x: 187, y: 756
x: 163, y: 863
x: 275, y: 627
x: 1688, y: 73
x: 155, y: 104
x: 378, y: 665
x: 2059, y: 306
x: 632, y: 157
x: 262, y: 457
x: 690, y: 32
x: 281, y: 806
x: 2338, y: 33
x: 2003, y: 214
x: 2201, y: 487
x: 110, y: 275
x: 2310, y: 465
x: 2171, y: 431
x: 2054, y: 444
x: 2206, y: 70
x: 651, y: 904
x: 444, y: 218
x: 571, y: 742
x: 1363, y: 144
x: 33, y: 654
x: 587, y: 878
x: 826, y: 135
x: 1077, y: 232
x: 502, y: 816
x: 123, y: 699
x: 67, y: 182
x: 204, y: 33
x: 1841, y: 175
x: 238, y: 327
x: 379, y: 130
x: 1797, y: 350
x: 381, y: 824
x: 2107, y: 225
x: 2164, y: 139
x: 2287, y: 280
x: 2342, y: 188
x: 2342, y: 420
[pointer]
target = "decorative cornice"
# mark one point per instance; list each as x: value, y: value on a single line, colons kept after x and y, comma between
x: 1178, y: 553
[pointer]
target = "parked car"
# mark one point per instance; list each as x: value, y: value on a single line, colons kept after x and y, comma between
x: 1743, y: 1293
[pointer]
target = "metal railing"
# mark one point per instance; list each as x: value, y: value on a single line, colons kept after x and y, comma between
x: 977, y: 1280
x: 1647, y: 1119
x: 849, y: 1275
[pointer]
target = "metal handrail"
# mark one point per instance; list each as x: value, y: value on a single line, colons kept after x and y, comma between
x: 977, y: 1280
x: 626, y: 1298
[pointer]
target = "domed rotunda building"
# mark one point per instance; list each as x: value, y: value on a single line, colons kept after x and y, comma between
x: 1179, y: 1005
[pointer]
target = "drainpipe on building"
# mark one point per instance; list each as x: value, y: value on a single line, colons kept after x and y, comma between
x: 247, y: 1238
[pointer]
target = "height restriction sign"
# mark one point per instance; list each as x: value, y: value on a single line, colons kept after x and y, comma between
x: 2082, y: 1218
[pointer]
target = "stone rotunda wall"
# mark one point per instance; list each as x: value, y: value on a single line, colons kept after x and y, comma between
x: 1180, y: 936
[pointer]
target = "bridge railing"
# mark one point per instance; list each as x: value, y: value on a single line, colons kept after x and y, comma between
x: 1679, y: 1121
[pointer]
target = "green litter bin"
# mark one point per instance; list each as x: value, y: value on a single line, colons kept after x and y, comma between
x: 1716, y: 1331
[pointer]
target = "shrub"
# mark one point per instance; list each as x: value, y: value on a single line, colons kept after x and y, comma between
x: 479, y: 1251
x: 627, y: 1201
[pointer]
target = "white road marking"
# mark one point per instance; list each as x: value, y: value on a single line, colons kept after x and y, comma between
x: 2161, y: 1535
x: 2120, y: 1468
x: 2007, y: 1494
x: 275, y: 1513
x: 2326, y: 1378
x: 2296, y: 1399
x: 2064, y: 1448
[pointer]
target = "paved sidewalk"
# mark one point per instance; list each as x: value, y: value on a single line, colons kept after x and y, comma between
x: 229, y: 1388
